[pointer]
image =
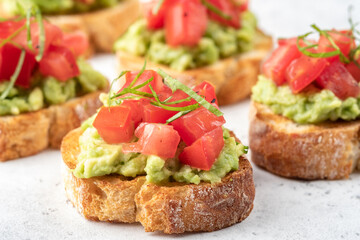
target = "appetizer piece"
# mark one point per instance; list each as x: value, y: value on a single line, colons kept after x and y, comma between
x: 305, y: 108
x: 100, y: 21
x: 45, y: 91
x: 196, y: 41
x: 156, y: 153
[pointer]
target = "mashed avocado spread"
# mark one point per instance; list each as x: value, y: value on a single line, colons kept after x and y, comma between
x: 307, y: 107
x: 98, y: 158
x: 54, y: 7
x: 218, y: 42
x: 49, y: 91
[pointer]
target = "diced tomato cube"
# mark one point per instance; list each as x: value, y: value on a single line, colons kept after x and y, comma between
x: 275, y: 66
x: 343, y: 39
x: 195, y: 124
x: 229, y: 8
x: 338, y: 79
x: 303, y: 71
x: 155, y: 139
x: 9, y: 27
x: 10, y: 56
x: 53, y: 37
x: 137, y: 111
x: 77, y: 42
x: 176, y: 96
x: 354, y: 70
x: 206, y: 90
x: 60, y: 63
x: 157, y: 83
x: 185, y: 23
x: 114, y: 124
x: 244, y: 5
x: 156, y: 21
x: 155, y: 114
x: 204, y: 151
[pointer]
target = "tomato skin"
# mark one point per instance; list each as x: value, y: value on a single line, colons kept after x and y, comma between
x: 59, y: 62
x: 11, y: 54
x: 154, y: 114
x: 157, y: 84
x: 156, y: 21
x: 114, y: 124
x: 303, y: 71
x: 243, y: 5
x: 53, y: 36
x: 195, y: 124
x: 343, y: 39
x: 354, y: 70
x: 204, y: 151
x: 136, y: 106
x: 155, y: 139
x: 338, y: 79
x: 275, y: 66
x: 229, y: 8
x: 185, y: 23
x: 206, y: 90
x: 77, y: 42
x: 8, y: 27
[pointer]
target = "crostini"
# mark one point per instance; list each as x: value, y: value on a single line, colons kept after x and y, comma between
x: 157, y: 153
x: 305, y: 108
x: 101, y: 21
x: 45, y: 90
x: 196, y: 41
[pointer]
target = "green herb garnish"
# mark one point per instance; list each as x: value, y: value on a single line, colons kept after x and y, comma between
x: 14, y: 34
x: 178, y: 115
x: 216, y: 10
x: 28, y: 30
x: 156, y: 9
x: 33, y: 11
x: 354, y: 53
x: 246, y: 149
x: 175, y: 85
x: 42, y: 34
x: 112, y: 84
x: 304, y: 50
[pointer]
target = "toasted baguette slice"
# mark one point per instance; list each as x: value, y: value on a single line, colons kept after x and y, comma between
x: 171, y: 208
x: 29, y: 133
x: 232, y: 77
x: 324, y: 151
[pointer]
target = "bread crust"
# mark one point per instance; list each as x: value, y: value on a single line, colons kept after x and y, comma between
x: 171, y: 208
x: 328, y: 150
x: 29, y: 133
x: 232, y: 77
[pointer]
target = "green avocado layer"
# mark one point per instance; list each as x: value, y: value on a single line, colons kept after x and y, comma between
x: 309, y: 107
x: 98, y: 158
x: 49, y: 91
x: 55, y: 7
x: 217, y: 43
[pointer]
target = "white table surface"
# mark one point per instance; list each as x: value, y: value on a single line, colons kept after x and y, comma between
x: 33, y: 204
